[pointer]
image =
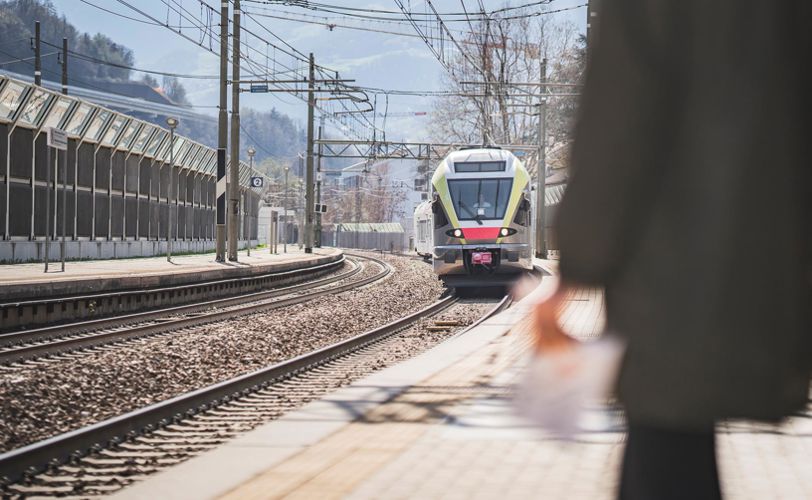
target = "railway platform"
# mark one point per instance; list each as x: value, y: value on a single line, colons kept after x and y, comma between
x: 441, y: 425
x: 23, y: 281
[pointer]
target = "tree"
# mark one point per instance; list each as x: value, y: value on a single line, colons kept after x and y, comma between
x: 498, y: 54
x: 17, y: 19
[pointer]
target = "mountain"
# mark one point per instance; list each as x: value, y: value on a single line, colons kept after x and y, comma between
x: 97, y: 62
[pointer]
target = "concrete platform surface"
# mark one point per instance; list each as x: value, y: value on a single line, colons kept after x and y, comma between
x: 442, y: 425
x: 19, y: 281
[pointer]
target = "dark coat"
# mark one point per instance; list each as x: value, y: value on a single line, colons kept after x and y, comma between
x: 689, y: 202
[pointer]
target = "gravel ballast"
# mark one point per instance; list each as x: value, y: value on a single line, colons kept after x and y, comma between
x: 59, y: 396
x: 107, y: 470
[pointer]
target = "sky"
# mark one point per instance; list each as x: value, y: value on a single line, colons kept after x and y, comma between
x: 371, y: 59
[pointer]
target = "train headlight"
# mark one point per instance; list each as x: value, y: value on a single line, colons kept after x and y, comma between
x: 458, y: 233
x: 507, y: 231
x: 504, y: 231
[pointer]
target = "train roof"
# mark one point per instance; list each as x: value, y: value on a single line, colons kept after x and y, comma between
x: 512, y: 163
x: 479, y: 154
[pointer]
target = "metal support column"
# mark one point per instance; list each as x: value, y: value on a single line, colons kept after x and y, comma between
x: 249, y: 203
x: 47, y: 202
x: 273, y: 231
x: 285, y: 211
x: 172, y: 123
x: 62, y: 248
x: 234, y: 164
x: 309, y: 198
x: 541, y: 174
x: 37, y: 59
x: 318, y: 184
x: 65, y: 66
x: 222, y: 138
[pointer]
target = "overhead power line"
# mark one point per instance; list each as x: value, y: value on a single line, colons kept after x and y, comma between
x: 96, y: 60
x: 259, y: 65
x: 351, y: 11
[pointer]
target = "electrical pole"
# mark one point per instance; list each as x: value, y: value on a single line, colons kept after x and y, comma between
x: 63, y: 248
x: 234, y: 176
x: 486, y: 73
x: 357, y: 208
x: 222, y: 137
x: 47, y: 201
x: 541, y: 170
x: 309, y: 198
x: 171, y: 123
x: 251, y: 152
x: 285, y: 210
x: 300, y: 216
x: 37, y: 57
x: 65, y: 66
x: 318, y: 185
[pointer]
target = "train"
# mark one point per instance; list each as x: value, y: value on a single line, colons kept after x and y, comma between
x: 477, y: 228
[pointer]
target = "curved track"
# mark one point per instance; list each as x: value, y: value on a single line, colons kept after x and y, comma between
x: 52, y: 310
x: 188, y: 418
x: 32, y: 344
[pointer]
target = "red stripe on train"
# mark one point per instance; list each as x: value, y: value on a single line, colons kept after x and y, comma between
x: 480, y: 233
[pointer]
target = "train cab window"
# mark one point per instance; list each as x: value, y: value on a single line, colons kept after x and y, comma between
x: 479, y: 166
x: 478, y: 199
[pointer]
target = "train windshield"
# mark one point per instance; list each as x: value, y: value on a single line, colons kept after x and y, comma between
x: 478, y: 199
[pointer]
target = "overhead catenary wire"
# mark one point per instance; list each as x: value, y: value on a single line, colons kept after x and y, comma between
x: 124, y: 16
x: 84, y: 83
x: 96, y: 60
x: 253, y: 67
x: 349, y: 11
x: 332, y: 25
x: 255, y: 142
x: 26, y: 59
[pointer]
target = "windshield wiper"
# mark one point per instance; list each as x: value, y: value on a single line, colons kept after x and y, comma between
x: 470, y: 212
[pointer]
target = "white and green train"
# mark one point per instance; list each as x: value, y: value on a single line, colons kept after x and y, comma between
x: 478, y: 226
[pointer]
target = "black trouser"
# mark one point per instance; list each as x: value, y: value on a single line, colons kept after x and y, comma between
x: 661, y: 464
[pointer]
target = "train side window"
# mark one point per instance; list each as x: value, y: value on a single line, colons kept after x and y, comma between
x: 440, y: 218
x: 522, y: 217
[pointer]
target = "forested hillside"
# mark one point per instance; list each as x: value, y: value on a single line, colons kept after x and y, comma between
x: 274, y: 135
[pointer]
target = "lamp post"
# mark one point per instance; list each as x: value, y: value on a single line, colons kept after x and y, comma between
x: 300, y: 214
x: 285, y: 209
x: 172, y: 123
x: 251, y: 152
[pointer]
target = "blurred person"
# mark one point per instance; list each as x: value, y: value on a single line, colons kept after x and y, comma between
x: 689, y: 203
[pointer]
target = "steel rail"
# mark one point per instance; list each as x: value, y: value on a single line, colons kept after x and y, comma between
x: 63, y: 330
x: 175, y: 288
x: 106, y: 337
x: 503, y: 304
x: 37, y: 457
x: 19, y: 314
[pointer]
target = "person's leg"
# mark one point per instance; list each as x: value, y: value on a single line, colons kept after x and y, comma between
x: 661, y: 464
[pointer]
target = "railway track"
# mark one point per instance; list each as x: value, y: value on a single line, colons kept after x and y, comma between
x: 108, y: 455
x: 61, y: 339
x: 53, y: 309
